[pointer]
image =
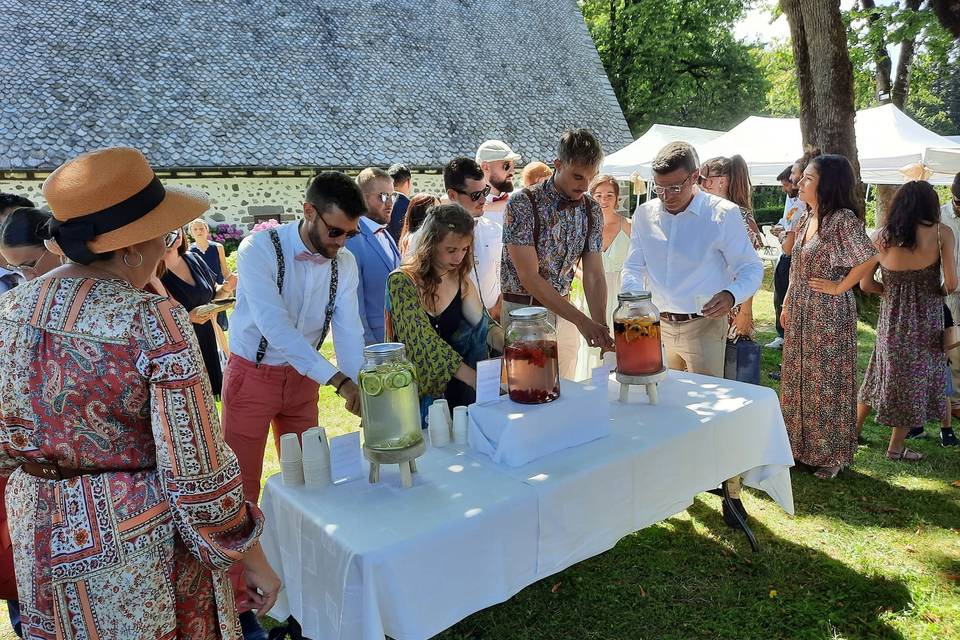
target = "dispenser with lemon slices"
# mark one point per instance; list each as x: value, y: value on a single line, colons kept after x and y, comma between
x: 390, y: 404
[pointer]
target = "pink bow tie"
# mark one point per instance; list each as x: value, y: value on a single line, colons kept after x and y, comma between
x: 315, y: 258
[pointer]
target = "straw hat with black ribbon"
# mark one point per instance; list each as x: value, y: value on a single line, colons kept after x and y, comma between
x: 110, y: 199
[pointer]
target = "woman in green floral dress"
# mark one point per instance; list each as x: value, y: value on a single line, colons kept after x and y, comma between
x: 434, y: 309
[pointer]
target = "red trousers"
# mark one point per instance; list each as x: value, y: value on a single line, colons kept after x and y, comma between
x: 253, y: 397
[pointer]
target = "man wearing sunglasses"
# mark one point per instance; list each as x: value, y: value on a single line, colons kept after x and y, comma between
x: 375, y: 250
x: 498, y: 162
x: 547, y: 230
x: 296, y: 286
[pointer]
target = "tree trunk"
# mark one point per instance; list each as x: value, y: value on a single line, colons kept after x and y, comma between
x: 798, y: 38
x: 824, y: 76
x: 948, y: 12
x: 881, y: 58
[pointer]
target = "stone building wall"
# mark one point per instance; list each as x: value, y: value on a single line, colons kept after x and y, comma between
x: 240, y: 200
x: 245, y: 200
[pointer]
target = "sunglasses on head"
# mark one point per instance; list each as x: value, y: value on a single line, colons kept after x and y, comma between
x: 171, y: 238
x: 332, y: 231
x: 475, y: 195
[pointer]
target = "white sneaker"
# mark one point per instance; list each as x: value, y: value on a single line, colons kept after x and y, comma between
x: 776, y: 344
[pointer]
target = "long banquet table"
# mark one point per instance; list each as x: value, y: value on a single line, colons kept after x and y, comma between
x: 363, y: 561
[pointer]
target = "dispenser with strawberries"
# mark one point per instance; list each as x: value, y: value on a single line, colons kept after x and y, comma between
x: 533, y: 369
x: 636, y: 332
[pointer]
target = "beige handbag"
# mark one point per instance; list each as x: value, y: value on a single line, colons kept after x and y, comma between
x: 951, y: 334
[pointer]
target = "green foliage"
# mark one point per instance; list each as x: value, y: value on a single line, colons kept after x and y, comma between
x: 676, y: 61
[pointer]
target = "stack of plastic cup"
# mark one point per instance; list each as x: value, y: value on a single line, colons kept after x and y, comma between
x: 316, y: 458
x: 459, y: 425
x: 438, y: 419
x: 291, y: 460
x: 446, y: 411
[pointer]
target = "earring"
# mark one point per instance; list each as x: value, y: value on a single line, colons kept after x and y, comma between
x: 133, y: 266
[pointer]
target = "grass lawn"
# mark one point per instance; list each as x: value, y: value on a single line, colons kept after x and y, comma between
x: 874, y: 553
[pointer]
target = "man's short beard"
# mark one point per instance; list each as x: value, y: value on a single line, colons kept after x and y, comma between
x: 503, y: 186
x: 793, y: 193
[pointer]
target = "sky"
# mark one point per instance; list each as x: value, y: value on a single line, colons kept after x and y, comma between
x: 756, y: 24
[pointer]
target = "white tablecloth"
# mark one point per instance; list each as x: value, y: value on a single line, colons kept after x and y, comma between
x: 515, y: 434
x: 359, y: 561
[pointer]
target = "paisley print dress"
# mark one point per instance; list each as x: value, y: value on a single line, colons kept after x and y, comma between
x: 818, y: 391
x: 98, y: 376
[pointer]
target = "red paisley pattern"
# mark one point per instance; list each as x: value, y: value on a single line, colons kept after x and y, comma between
x: 99, y: 376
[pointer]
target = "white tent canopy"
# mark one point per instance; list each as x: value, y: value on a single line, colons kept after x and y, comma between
x: 637, y: 155
x: 887, y: 142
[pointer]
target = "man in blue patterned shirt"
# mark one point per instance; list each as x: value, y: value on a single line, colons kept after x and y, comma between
x: 547, y: 230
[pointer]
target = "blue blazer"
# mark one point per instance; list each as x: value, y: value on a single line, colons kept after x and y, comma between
x: 397, y: 216
x: 375, y: 266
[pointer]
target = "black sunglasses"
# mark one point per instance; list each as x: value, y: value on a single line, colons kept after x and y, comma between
x: 332, y: 231
x: 475, y: 195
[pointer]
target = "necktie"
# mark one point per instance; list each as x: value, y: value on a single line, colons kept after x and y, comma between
x: 315, y: 258
x: 382, y: 229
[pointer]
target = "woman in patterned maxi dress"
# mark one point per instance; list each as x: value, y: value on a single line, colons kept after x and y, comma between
x: 128, y: 503
x: 832, y: 252
x: 905, y: 382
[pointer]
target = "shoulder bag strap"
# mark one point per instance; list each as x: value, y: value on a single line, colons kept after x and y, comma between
x: 536, y: 218
x: 281, y: 268
x: 589, y: 208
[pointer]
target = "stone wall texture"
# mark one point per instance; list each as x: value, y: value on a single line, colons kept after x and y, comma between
x: 244, y: 200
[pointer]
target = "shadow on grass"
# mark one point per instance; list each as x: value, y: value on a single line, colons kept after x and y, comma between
x: 861, y: 500
x: 670, y: 581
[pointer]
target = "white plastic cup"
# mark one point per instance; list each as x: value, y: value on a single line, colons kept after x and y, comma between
x: 442, y: 402
x: 292, y: 472
x: 438, y: 428
x: 315, y: 445
x: 460, y: 425
x: 290, y: 448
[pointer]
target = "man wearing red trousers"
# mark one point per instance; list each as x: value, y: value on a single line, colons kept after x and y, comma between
x: 295, y: 285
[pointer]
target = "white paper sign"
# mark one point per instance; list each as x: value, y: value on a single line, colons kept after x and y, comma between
x: 346, y: 459
x: 488, y: 381
x: 599, y: 376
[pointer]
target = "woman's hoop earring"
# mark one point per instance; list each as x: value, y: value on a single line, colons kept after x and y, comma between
x: 133, y: 266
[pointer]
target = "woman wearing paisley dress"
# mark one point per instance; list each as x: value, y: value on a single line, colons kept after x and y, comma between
x: 129, y: 503
x: 818, y: 390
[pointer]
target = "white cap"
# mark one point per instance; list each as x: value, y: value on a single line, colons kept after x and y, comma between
x: 495, y: 150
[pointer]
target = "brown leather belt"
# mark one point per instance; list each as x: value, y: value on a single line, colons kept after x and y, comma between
x: 679, y: 317
x: 521, y: 298
x: 53, y: 471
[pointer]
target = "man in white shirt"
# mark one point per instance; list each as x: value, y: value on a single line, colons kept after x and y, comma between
x: 692, y: 251
x: 950, y: 216
x: 295, y: 285
x: 275, y: 370
x: 375, y: 250
x: 499, y: 162
x: 792, y: 211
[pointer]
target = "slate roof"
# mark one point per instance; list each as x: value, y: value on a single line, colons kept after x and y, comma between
x: 269, y: 83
